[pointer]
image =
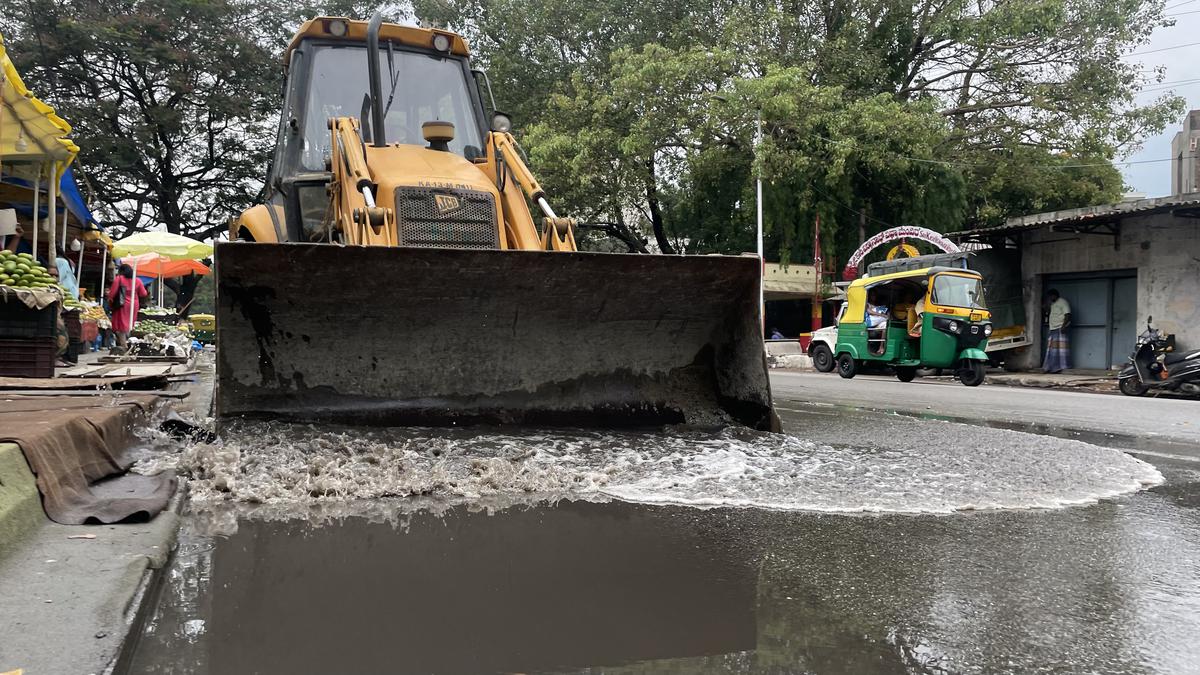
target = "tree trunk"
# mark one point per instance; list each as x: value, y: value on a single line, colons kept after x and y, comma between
x: 632, y: 239
x: 862, y: 227
x: 185, y: 290
x: 656, y: 219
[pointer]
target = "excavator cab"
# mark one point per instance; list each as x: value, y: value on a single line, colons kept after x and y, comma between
x: 327, y: 79
x: 395, y: 273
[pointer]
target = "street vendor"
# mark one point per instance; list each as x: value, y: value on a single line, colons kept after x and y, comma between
x: 66, y: 273
x: 125, y: 289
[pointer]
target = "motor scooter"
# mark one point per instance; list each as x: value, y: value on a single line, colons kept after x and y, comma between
x: 1155, y: 365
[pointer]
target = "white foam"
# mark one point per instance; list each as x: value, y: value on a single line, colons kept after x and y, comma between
x: 303, y: 465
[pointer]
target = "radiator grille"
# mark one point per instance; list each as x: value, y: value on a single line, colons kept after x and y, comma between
x: 446, y: 218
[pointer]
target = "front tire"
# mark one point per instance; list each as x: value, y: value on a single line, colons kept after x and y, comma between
x: 972, y: 374
x: 822, y: 358
x: 846, y: 366
x: 1132, y: 386
x: 906, y: 373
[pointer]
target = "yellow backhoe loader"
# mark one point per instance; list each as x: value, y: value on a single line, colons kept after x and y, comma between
x: 395, y: 274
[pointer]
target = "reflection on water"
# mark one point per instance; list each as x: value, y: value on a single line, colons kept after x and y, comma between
x: 582, y: 587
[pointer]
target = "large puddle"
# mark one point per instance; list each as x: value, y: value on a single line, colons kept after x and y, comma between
x: 354, y: 550
x: 588, y: 587
x: 917, y: 468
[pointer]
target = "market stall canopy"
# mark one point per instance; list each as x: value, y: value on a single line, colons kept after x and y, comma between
x: 16, y: 192
x: 30, y: 132
x: 165, y: 244
x: 155, y: 265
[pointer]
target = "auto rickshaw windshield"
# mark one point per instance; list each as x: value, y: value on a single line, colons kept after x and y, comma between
x: 957, y: 291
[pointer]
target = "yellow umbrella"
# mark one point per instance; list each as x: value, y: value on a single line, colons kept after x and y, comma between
x: 165, y: 244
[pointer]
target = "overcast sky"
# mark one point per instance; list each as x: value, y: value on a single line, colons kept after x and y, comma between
x: 1183, y: 67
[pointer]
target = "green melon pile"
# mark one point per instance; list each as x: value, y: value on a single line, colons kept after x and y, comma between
x: 152, y: 327
x: 22, y: 270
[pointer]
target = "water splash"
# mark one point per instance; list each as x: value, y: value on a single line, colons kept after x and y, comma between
x: 302, y: 465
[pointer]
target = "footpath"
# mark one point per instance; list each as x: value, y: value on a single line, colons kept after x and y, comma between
x: 80, y: 539
x: 1089, y: 380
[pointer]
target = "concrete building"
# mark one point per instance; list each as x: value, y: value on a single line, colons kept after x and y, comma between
x: 1116, y: 264
x: 1185, y: 158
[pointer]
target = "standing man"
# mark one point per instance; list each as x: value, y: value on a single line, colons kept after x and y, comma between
x: 1058, y: 347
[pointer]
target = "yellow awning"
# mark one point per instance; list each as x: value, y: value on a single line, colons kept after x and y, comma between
x: 30, y: 132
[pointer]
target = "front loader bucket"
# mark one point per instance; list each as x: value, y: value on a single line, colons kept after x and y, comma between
x: 322, y: 332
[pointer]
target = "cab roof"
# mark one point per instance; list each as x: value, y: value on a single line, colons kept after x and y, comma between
x: 356, y: 32
x: 910, y: 274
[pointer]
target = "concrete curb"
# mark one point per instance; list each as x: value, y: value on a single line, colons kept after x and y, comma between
x: 790, y: 362
x: 20, y: 501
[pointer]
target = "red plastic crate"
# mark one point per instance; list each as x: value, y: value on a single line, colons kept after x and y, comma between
x: 27, y: 357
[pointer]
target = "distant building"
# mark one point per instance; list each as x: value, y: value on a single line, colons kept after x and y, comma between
x: 1117, y: 264
x: 1185, y: 158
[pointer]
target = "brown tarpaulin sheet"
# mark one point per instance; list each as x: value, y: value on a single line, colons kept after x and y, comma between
x: 75, y: 445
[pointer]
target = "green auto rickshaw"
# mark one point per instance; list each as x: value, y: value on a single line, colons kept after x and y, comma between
x: 930, y: 317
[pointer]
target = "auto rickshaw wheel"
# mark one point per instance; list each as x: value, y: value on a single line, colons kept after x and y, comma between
x: 846, y: 366
x: 906, y: 373
x: 971, y: 374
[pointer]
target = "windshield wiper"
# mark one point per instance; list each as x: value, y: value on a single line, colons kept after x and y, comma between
x: 393, y: 76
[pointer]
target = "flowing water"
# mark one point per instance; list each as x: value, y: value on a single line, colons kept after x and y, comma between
x: 289, y: 464
x: 861, y: 544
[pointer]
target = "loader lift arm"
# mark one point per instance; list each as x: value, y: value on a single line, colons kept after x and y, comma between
x: 557, y: 233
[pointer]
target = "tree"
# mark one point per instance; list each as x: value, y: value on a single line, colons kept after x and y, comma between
x: 875, y: 112
x: 610, y: 149
x: 173, y: 101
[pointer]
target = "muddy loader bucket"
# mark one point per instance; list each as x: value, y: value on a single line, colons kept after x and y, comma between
x: 321, y: 332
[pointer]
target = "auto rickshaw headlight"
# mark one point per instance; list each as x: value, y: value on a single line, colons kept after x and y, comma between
x: 987, y: 330
x: 954, y: 326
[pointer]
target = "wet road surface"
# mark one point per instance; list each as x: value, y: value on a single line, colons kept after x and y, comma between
x: 1170, y: 420
x: 473, y: 582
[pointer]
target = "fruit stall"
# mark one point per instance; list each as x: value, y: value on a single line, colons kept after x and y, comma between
x: 29, y: 306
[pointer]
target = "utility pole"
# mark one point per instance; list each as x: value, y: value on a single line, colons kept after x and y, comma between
x: 762, y: 305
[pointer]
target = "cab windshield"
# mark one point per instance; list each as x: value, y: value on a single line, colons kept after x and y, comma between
x: 957, y: 291
x: 421, y: 88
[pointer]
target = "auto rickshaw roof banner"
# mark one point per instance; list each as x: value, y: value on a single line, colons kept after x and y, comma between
x: 30, y: 132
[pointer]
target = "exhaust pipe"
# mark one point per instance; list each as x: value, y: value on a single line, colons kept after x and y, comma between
x: 378, y: 139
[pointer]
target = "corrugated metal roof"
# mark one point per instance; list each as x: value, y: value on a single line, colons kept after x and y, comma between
x: 1104, y: 212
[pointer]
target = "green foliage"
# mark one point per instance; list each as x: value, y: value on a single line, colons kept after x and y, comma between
x: 874, y: 112
x: 1032, y: 180
x: 173, y: 101
x: 641, y: 118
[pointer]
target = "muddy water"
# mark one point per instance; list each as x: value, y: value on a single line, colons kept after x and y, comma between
x: 614, y: 587
x: 911, y: 469
x: 862, y: 544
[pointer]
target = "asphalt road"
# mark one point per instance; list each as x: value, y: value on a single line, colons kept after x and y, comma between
x: 1156, y: 425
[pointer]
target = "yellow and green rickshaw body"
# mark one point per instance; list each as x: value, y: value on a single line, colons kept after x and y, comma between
x: 954, y: 327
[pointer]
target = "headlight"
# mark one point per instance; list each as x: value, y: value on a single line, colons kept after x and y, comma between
x: 337, y: 28
x: 441, y: 42
x: 987, y: 330
x: 954, y: 326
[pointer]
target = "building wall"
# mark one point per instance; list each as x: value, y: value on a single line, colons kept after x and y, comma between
x: 1185, y: 160
x: 1163, y: 248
